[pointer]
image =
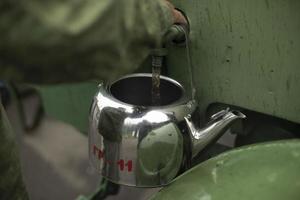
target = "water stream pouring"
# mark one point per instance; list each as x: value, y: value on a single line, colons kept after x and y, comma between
x: 157, y: 62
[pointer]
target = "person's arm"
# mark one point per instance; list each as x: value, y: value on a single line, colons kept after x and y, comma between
x: 74, y: 40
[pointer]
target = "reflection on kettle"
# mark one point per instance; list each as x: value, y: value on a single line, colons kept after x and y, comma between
x: 134, y: 143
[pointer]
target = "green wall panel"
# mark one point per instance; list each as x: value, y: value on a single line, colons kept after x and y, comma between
x: 245, y: 53
x: 69, y: 103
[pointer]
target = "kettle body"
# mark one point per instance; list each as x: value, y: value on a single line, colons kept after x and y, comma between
x: 132, y: 142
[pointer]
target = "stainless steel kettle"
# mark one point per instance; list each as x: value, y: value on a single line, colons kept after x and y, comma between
x: 134, y: 143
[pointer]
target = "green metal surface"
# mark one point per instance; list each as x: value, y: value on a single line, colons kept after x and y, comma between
x: 245, y: 53
x: 265, y: 171
x: 69, y: 103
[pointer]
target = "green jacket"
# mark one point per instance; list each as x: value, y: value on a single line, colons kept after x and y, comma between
x: 74, y: 40
x: 66, y: 41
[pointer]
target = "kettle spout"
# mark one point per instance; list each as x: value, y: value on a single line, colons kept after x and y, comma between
x: 219, y: 124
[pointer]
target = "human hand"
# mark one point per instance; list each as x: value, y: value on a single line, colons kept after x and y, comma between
x: 178, y: 17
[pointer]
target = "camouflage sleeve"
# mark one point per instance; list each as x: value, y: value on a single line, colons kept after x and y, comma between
x: 74, y: 40
x: 11, y: 183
